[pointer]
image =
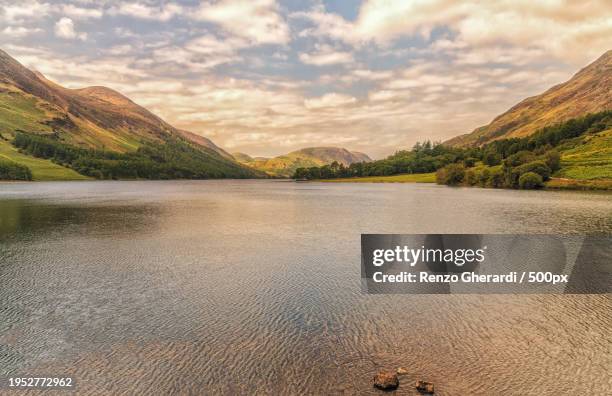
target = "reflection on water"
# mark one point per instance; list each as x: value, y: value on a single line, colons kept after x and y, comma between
x: 254, y: 286
x: 28, y: 218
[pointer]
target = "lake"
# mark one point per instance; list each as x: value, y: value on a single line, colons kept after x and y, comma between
x: 243, y: 287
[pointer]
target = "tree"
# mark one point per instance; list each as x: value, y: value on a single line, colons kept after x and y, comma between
x: 538, y: 167
x: 469, y: 162
x: 553, y: 160
x: 496, y: 178
x: 451, y: 175
x: 301, y: 173
x: 520, y: 158
x: 471, y: 177
x: 530, y: 180
x: 491, y: 158
x: 10, y: 170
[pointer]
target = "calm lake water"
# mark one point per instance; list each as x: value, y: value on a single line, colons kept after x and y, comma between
x: 243, y: 287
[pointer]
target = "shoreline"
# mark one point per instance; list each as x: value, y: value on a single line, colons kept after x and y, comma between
x: 401, y: 178
x: 552, y: 184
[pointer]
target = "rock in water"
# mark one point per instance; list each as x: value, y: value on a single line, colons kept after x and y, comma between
x: 401, y: 371
x: 424, y: 386
x: 386, y: 380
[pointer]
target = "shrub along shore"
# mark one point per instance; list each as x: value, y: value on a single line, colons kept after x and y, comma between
x: 10, y: 170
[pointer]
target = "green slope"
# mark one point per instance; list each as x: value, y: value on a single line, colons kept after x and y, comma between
x: 587, y: 158
x: 21, y: 111
x: 242, y: 158
x: 588, y: 91
x: 42, y: 169
x: 110, y: 134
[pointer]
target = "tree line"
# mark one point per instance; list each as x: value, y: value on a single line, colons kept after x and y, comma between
x: 424, y: 157
x: 506, y: 163
x: 172, y: 159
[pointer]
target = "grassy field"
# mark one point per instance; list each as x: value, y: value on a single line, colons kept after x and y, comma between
x: 403, y: 178
x: 588, y: 159
x: 42, y: 170
x: 571, y: 184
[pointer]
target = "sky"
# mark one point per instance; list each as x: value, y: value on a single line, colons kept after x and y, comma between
x: 267, y: 77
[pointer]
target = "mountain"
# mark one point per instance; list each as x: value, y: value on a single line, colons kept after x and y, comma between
x: 205, y: 142
x: 285, y: 165
x: 243, y: 158
x: 588, y: 91
x: 100, y: 118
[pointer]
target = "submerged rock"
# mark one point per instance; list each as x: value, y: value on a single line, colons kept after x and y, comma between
x: 424, y: 386
x: 386, y: 380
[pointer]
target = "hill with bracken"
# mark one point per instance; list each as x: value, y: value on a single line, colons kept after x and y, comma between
x: 285, y: 165
x: 103, y: 120
x: 588, y: 91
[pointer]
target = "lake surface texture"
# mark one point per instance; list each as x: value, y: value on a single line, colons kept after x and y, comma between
x: 244, y: 287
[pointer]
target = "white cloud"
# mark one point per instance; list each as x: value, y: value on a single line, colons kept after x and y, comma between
x: 256, y: 20
x: 326, y: 55
x: 120, y: 49
x: 385, y: 95
x: 64, y: 28
x: 494, y: 54
x: 372, y: 74
x: 209, y: 44
x: 190, y: 61
x: 565, y: 29
x: 77, y: 12
x: 23, y: 12
x: 326, y: 24
x: 162, y: 13
x: 201, y: 53
x: 19, y: 31
x: 329, y: 100
x: 76, y: 72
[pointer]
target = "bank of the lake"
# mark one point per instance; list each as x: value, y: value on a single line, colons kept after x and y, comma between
x: 401, y: 178
x: 575, y: 184
x: 552, y: 184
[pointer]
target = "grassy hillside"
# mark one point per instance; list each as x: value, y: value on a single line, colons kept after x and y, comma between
x: 97, y: 120
x: 286, y: 165
x: 19, y: 111
x: 588, y: 91
x: 243, y: 158
x: 42, y: 169
x: 576, y: 154
x: 587, y: 158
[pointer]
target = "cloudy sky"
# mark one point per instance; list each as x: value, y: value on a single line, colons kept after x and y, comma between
x: 266, y: 77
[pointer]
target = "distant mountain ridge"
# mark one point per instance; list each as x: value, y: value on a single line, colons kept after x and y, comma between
x: 94, y: 117
x: 285, y: 165
x: 205, y: 142
x: 588, y: 91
